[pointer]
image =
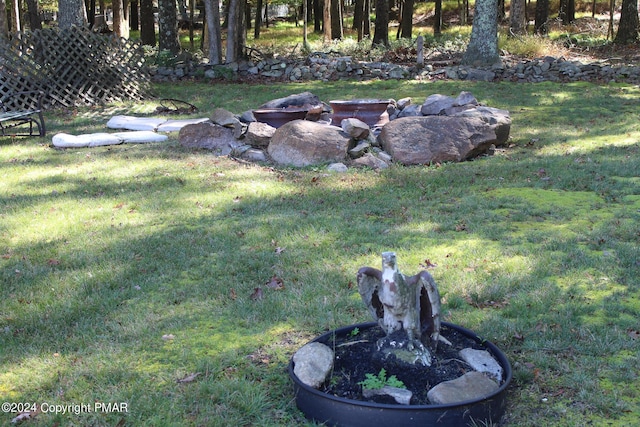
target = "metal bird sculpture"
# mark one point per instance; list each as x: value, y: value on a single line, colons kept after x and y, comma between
x: 404, y: 303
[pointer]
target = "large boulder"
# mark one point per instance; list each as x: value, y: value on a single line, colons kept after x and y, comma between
x: 499, y: 120
x: 432, y: 139
x: 303, y: 143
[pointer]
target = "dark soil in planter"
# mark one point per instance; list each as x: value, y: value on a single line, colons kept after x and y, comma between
x: 354, y: 358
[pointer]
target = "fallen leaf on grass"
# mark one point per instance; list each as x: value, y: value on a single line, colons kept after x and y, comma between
x: 275, y: 283
x: 634, y: 334
x: 53, y: 261
x: 232, y: 294
x: 168, y: 337
x: 189, y: 378
x: 279, y: 250
x: 257, y: 294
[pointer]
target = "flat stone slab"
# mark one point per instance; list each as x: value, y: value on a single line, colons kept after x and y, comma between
x: 471, y: 386
x: 150, y: 123
x: 65, y: 140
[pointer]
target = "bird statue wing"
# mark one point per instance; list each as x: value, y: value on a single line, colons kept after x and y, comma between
x: 429, y: 305
x: 369, y: 284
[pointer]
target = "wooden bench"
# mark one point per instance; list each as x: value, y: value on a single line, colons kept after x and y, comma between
x: 22, y: 110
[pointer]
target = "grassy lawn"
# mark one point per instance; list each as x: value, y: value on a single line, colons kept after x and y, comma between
x: 127, y: 272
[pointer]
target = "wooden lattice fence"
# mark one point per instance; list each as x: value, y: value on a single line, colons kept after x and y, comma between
x: 73, y: 67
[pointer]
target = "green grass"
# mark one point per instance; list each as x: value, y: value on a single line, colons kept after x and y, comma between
x: 124, y: 269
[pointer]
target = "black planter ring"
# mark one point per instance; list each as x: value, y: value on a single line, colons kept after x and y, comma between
x: 337, y: 411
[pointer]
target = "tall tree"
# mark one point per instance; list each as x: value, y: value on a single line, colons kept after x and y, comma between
x: 567, y: 12
x: 4, y: 25
x: 628, y: 27
x: 147, y: 23
x: 518, y: 19
x: 168, y: 26
x: 437, y: 18
x: 235, y: 31
x: 542, y: 17
x: 121, y: 18
x: 212, y: 14
x: 483, y: 45
x: 15, y: 16
x: 381, y: 28
x: 406, y: 21
x: 71, y: 13
x: 317, y: 15
x: 34, y: 15
x: 336, y: 20
x: 258, y: 24
x: 326, y: 20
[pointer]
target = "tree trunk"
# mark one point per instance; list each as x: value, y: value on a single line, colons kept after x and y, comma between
x: 366, y: 31
x: 4, y: 25
x: 326, y: 20
x: 34, y: 15
x: 258, y: 22
x: 134, y: 18
x: 483, y: 45
x: 336, y: 20
x: 567, y: 12
x: 358, y: 18
x: 381, y: 29
x: 71, y: 13
x: 437, y: 18
x: 147, y: 23
x: 628, y: 27
x: 542, y: 16
x: 235, y: 30
x: 212, y: 13
x: 15, y: 16
x: 121, y: 18
x: 518, y: 23
x: 168, y: 26
x: 317, y: 16
x: 407, y: 19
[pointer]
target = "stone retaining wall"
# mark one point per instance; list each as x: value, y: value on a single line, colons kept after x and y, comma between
x: 326, y: 68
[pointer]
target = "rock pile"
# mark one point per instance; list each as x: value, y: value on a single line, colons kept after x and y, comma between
x: 440, y: 129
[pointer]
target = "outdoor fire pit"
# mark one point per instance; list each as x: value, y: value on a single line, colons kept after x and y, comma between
x: 371, y: 111
x: 407, y: 369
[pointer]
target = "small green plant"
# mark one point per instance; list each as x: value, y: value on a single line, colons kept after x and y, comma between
x: 375, y: 382
x: 354, y: 332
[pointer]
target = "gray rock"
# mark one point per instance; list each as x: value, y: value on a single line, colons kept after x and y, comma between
x: 400, y: 395
x: 465, y: 98
x: 259, y: 134
x: 470, y: 386
x: 411, y: 111
x: 482, y: 361
x: 371, y: 161
x: 355, y: 128
x: 436, y: 104
x: 254, y: 155
x: 222, y: 117
x: 304, y: 99
x: 431, y: 139
x: 337, y: 167
x: 499, y: 120
x: 303, y: 143
x: 313, y: 363
x: 359, y: 150
x: 208, y: 136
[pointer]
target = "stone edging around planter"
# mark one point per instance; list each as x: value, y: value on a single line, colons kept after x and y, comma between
x: 326, y: 68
